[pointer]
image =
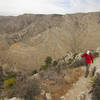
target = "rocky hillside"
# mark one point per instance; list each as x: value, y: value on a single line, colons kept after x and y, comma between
x: 26, y: 40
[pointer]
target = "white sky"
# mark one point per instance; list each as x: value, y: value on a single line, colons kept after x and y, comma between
x: 16, y: 7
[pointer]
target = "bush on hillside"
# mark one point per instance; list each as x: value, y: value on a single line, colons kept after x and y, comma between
x: 44, y: 67
x: 55, y: 63
x: 34, y: 72
x: 48, y: 63
x: 48, y: 60
x: 10, y: 82
x: 10, y: 75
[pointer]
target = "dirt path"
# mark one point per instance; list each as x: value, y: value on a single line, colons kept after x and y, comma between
x: 83, y: 84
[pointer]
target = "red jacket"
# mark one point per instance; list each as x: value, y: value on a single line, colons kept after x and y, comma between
x: 88, y: 58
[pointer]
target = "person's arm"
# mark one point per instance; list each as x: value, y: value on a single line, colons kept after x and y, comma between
x: 92, y: 58
x: 83, y: 55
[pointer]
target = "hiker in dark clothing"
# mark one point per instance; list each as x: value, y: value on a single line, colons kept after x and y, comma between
x: 88, y: 60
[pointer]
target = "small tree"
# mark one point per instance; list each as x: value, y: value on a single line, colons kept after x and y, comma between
x: 48, y: 60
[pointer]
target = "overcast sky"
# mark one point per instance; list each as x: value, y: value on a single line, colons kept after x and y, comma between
x: 17, y: 7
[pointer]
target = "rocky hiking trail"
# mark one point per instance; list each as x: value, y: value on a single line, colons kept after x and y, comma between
x: 82, y: 86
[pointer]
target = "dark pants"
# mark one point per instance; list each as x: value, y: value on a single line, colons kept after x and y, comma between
x: 87, y: 69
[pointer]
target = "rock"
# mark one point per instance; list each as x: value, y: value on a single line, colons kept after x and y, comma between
x: 78, y: 56
x: 97, y: 73
x: 67, y: 78
x: 36, y: 76
x: 14, y: 98
x: 62, y: 98
x: 84, y: 96
x: 42, y: 92
x: 98, y: 50
x: 48, y: 96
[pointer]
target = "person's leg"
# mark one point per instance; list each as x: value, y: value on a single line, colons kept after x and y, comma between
x: 87, y: 69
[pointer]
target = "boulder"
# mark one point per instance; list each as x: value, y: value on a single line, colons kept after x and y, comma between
x: 84, y: 96
x: 98, y: 50
x: 48, y: 96
x: 62, y: 98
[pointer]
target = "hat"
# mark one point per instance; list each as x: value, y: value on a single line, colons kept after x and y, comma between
x: 88, y: 52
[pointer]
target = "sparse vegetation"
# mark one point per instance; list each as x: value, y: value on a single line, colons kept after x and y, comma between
x: 28, y: 90
x: 55, y: 63
x: 10, y: 75
x: 48, y: 63
x: 10, y: 82
x: 44, y: 67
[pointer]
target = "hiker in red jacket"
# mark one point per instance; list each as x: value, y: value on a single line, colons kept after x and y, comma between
x: 88, y: 59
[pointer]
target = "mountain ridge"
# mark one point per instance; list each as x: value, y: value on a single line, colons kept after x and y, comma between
x: 28, y: 39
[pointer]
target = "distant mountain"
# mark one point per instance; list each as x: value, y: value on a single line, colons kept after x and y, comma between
x: 26, y: 40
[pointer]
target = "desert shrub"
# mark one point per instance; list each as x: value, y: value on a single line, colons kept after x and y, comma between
x: 55, y: 63
x: 48, y: 63
x: 10, y: 75
x: 44, y: 67
x: 10, y: 82
x: 34, y: 72
x: 28, y: 89
x: 48, y: 60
